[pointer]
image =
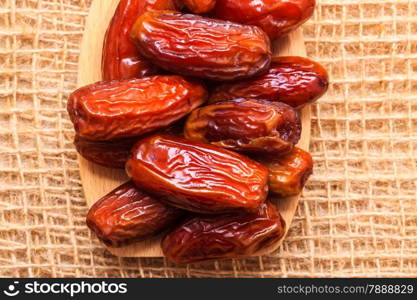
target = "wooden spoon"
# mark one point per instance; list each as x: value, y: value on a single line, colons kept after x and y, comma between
x: 98, y: 181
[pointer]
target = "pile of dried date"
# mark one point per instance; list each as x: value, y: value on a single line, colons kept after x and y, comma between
x: 203, y: 179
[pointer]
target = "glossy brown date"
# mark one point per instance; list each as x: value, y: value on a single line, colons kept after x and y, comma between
x: 202, y: 238
x: 201, y: 47
x: 129, y: 108
x: 289, y: 173
x: 293, y: 80
x: 199, y: 6
x: 197, y: 177
x: 127, y: 215
x: 121, y: 59
x: 275, y: 17
x: 111, y: 154
x: 246, y: 125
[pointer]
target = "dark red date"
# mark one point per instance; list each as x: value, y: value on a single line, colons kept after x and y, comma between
x: 293, y: 80
x: 275, y: 17
x: 203, y: 238
x: 114, y: 154
x: 201, y: 47
x: 127, y: 215
x: 197, y: 177
x: 121, y: 59
x: 111, y: 154
x: 130, y: 108
x: 246, y: 125
x: 289, y: 173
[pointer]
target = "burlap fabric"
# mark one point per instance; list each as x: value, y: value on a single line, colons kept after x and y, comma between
x: 358, y: 215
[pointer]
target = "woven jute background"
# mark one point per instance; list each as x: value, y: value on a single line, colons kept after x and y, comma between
x: 358, y: 214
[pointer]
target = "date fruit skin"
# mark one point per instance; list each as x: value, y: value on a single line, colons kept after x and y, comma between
x: 197, y: 177
x: 276, y: 17
x: 246, y: 125
x: 127, y: 215
x: 289, y: 173
x: 121, y: 59
x: 114, y: 154
x: 201, y: 47
x: 129, y: 108
x: 293, y: 80
x: 110, y: 154
x: 199, y: 6
x: 210, y: 237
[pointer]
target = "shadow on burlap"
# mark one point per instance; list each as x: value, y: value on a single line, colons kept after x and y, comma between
x: 358, y: 214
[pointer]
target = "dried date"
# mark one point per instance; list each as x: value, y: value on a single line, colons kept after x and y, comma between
x: 111, y: 154
x: 197, y: 177
x: 246, y: 125
x: 200, y: 6
x: 127, y: 215
x: 293, y: 80
x: 202, y: 238
x: 289, y: 173
x: 202, y: 47
x: 129, y: 108
x: 121, y: 59
x: 275, y: 17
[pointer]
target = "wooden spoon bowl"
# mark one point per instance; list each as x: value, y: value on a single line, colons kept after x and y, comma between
x: 98, y: 181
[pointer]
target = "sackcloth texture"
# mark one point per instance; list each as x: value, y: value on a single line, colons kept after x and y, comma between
x: 357, y: 216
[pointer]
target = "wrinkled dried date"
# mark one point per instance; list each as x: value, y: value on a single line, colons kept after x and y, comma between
x: 197, y: 177
x: 275, y: 17
x: 201, y: 47
x: 246, y: 125
x: 128, y: 215
x: 200, y: 6
x: 129, y: 108
x: 202, y: 238
x: 121, y: 59
x: 111, y: 154
x: 114, y: 154
x: 289, y: 173
x: 293, y: 80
